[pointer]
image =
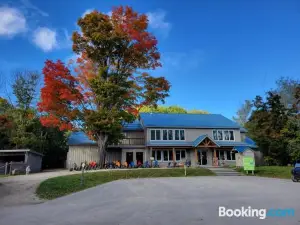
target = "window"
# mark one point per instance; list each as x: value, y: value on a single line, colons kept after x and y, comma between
x: 220, y: 135
x: 215, y: 135
x: 165, y: 134
x: 225, y: 135
x: 166, y: 155
x: 152, y: 134
x: 179, y: 135
x: 170, y: 134
x: 155, y: 135
x: 176, y: 134
x: 158, y: 155
x: 170, y: 155
x: 220, y: 154
x: 230, y: 155
x: 180, y: 155
x: 182, y: 137
x: 231, y: 135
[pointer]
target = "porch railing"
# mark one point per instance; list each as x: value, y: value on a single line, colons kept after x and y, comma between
x: 131, y: 141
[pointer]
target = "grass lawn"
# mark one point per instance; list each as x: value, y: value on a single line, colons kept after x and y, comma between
x: 64, y: 185
x: 271, y: 171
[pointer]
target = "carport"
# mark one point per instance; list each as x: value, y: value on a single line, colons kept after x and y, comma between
x: 19, y: 159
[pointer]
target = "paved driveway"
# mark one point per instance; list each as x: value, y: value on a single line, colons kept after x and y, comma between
x: 19, y: 190
x: 163, y: 201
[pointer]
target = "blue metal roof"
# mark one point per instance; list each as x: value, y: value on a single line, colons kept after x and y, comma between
x: 80, y: 138
x: 249, y: 141
x: 135, y: 125
x: 174, y: 120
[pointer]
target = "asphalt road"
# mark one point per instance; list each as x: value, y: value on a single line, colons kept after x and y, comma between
x: 163, y: 201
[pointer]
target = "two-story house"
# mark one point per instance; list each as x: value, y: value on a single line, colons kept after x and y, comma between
x: 203, y: 139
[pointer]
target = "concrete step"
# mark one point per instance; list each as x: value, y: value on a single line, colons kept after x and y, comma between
x: 219, y: 171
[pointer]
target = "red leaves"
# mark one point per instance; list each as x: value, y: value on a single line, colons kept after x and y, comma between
x: 59, y: 95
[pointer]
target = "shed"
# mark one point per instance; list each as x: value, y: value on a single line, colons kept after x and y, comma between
x: 21, y: 158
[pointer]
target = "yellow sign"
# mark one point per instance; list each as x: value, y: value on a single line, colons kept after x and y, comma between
x: 249, y: 163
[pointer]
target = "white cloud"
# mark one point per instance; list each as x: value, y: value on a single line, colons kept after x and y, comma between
x: 158, y: 21
x: 45, y: 38
x: 87, y: 12
x: 12, y: 21
x: 29, y: 5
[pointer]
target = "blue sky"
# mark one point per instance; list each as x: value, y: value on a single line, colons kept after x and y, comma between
x: 215, y: 53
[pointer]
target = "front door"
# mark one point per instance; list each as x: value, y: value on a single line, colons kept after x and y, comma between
x: 202, y: 157
x: 139, y: 157
x: 129, y: 157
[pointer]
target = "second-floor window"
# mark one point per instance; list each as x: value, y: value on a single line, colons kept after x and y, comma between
x: 223, y: 135
x: 155, y: 135
x: 167, y: 134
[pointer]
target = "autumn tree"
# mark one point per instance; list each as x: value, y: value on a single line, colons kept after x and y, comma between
x: 107, y: 88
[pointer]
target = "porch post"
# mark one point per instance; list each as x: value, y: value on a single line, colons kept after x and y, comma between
x: 150, y: 156
x: 215, y: 159
x: 174, y: 155
x: 196, y: 156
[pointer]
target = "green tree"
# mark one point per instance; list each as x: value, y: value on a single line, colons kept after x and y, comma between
x: 265, y: 124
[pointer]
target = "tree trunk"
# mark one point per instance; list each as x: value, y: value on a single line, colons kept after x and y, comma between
x: 102, y: 143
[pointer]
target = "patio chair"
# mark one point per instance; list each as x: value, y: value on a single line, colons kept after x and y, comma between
x: 132, y: 165
x: 155, y: 164
x: 139, y: 164
x: 146, y: 164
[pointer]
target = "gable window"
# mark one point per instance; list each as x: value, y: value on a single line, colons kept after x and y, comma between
x: 223, y: 135
x: 155, y: 135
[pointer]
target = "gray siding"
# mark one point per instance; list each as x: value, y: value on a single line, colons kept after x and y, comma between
x: 193, y: 134
x: 35, y: 162
x: 79, y: 154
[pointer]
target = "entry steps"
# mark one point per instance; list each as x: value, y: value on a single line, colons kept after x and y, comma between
x: 221, y: 171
